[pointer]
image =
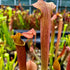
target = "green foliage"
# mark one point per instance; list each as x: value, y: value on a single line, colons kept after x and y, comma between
x: 67, y: 40
x: 9, y: 64
x: 1, y: 32
x: 1, y: 63
x: 63, y: 39
x: 4, y: 55
x: 4, y: 31
x: 20, y: 19
x: 9, y: 12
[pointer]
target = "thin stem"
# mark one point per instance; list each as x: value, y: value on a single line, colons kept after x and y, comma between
x: 59, y: 36
x: 52, y: 45
x: 65, y: 26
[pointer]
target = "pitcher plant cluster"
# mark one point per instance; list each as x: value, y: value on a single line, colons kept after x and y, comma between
x: 51, y: 53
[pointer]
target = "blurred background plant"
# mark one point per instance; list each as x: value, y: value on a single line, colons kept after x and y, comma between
x: 5, y: 34
x: 6, y: 63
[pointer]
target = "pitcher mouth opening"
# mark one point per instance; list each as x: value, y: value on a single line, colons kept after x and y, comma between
x: 20, y: 44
